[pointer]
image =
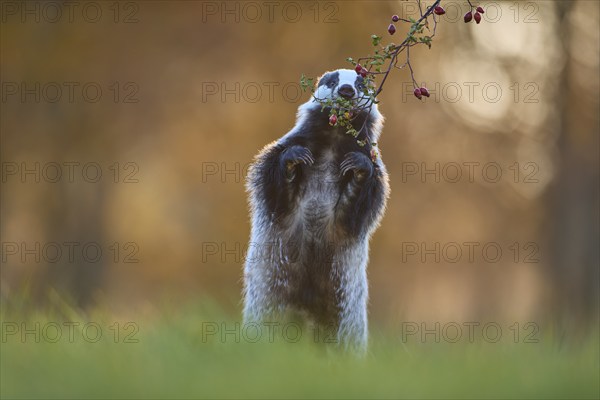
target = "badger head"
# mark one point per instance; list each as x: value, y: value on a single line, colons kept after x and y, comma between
x: 341, y: 83
x: 344, y: 83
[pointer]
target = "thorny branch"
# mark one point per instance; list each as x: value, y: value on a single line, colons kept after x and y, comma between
x: 343, y: 112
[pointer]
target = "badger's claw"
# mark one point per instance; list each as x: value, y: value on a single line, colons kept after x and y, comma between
x: 293, y: 156
x: 359, y: 164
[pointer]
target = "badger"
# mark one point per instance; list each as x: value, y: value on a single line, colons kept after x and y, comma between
x: 316, y: 196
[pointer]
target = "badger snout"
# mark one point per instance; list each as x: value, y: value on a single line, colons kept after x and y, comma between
x: 346, y: 91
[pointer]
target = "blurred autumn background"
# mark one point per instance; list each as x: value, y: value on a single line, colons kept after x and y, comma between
x: 190, y: 91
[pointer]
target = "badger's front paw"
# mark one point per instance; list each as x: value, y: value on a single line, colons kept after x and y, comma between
x: 359, y: 164
x: 292, y: 157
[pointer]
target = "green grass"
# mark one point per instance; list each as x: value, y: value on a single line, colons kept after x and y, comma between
x: 171, y: 360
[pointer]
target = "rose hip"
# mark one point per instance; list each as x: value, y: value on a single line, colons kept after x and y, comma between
x: 439, y: 10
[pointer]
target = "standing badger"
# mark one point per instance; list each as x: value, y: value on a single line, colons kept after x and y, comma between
x: 316, y: 197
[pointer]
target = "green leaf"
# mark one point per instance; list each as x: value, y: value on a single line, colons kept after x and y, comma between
x: 375, y: 39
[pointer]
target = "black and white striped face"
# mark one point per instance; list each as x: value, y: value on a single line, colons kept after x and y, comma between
x: 344, y: 83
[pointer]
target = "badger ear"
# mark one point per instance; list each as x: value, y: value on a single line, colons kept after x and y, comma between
x: 328, y: 77
x: 325, y: 74
x: 321, y: 78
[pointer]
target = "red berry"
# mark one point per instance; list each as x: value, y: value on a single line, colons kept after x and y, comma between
x: 480, y: 10
x: 395, y: 18
x: 439, y: 10
x: 358, y: 68
x: 424, y: 92
x: 374, y: 155
x: 468, y: 16
x: 477, y: 17
x: 333, y: 120
x: 363, y: 72
x: 391, y: 29
x: 418, y: 94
